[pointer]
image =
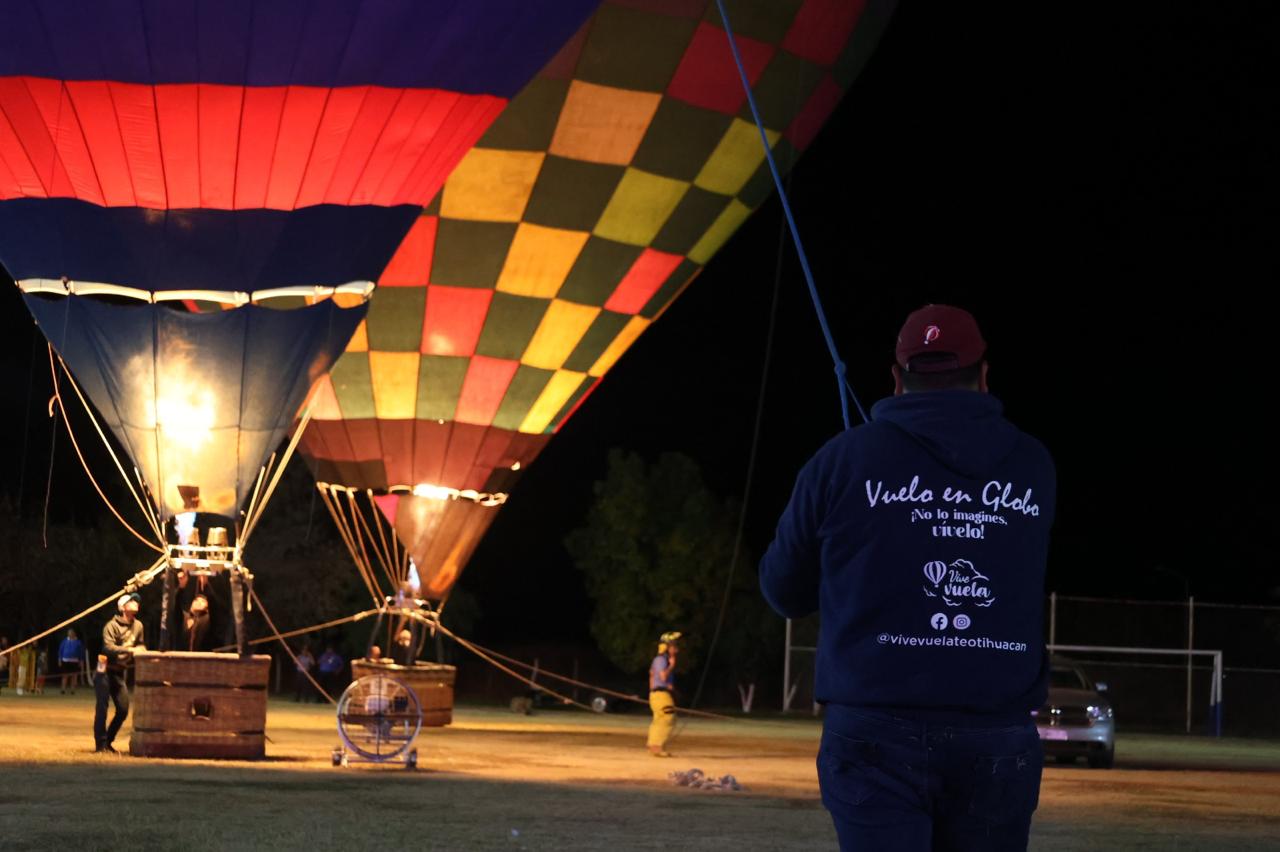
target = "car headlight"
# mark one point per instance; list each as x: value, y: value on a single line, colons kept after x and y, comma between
x: 1098, y: 712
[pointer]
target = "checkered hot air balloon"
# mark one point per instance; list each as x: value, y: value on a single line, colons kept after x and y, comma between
x: 604, y: 187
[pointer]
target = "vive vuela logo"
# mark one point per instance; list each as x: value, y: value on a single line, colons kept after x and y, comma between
x: 958, y: 583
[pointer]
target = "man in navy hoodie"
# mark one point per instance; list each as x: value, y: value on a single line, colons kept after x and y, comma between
x: 921, y: 537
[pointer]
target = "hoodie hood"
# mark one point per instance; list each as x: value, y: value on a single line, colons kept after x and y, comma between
x: 964, y: 430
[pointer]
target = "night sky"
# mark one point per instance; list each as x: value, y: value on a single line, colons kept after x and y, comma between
x: 1099, y: 191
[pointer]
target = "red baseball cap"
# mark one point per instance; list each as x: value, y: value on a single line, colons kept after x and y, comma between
x: 940, y: 330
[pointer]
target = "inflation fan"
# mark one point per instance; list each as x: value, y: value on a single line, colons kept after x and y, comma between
x: 378, y: 720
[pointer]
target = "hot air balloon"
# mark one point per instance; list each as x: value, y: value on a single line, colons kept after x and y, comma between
x: 599, y: 193
x: 267, y: 157
x: 935, y: 571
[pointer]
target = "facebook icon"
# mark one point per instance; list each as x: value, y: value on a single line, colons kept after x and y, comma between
x: 939, y: 621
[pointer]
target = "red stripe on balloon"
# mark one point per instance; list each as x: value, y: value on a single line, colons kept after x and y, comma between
x: 180, y: 146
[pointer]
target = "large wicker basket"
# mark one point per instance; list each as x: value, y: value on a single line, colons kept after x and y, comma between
x: 431, y: 682
x: 194, y: 704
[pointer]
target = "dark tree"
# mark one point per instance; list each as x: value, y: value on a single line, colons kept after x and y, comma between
x: 655, y: 552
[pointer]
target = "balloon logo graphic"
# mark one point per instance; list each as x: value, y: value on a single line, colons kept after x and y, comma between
x: 935, y: 571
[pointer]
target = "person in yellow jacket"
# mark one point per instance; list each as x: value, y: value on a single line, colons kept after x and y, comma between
x: 661, y: 694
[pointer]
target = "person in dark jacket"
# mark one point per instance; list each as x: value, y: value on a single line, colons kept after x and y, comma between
x: 922, y: 538
x: 121, y: 637
x: 402, y: 651
x: 195, y: 624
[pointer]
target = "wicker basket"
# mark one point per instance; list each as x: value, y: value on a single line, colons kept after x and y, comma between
x: 192, y: 704
x: 431, y: 682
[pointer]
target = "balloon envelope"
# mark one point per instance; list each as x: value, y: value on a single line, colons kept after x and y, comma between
x: 599, y: 193
x: 230, y: 151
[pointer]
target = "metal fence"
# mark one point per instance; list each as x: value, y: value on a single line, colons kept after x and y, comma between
x: 1151, y: 692
x: 1175, y: 692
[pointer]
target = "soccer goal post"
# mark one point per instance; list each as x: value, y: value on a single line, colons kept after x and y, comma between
x: 1215, y: 683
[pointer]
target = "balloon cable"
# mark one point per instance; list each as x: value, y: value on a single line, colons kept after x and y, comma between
x: 302, y: 631
x: 357, y: 525
x: 333, y: 503
x: 489, y: 655
x: 48, y: 484
x: 751, y: 468
x: 384, y: 555
x: 263, y: 473
x: 846, y: 393
x: 137, y: 581
x: 57, y: 401
x: 475, y: 649
x: 331, y: 494
x: 253, y: 595
x: 635, y: 699
x: 252, y: 522
x: 389, y: 560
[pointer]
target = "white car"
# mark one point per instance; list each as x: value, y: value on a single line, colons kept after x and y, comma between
x: 1077, y: 720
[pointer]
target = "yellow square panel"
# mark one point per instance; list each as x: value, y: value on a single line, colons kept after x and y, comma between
x: 360, y: 340
x: 539, y: 260
x: 395, y: 384
x: 640, y: 206
x: 559, y: 333
x: 348, y: 300
x: 551, y: 400
x: 601, y: 124
x: 490, y: 185
x: 620, y: 344
x: 735, y: 159
x: 721, y: 229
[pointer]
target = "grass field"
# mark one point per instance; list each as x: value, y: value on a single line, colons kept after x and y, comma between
x: 563, y: 780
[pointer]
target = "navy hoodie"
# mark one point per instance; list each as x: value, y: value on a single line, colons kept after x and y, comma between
x: 922, y: 538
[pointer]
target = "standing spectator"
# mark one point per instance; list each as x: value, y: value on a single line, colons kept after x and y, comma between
x: 4, y: 661
x: 331, y: 665
x: 70, y: 660
x: 303, y: 691
x: 22, y: 671
x: 42, y: 670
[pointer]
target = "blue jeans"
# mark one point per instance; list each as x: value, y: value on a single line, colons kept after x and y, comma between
x: 897, y: 784
x: 109, y: 686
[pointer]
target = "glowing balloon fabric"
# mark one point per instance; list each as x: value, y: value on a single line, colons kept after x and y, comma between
x: 595, y: 197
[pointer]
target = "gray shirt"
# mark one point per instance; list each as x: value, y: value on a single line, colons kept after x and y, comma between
x: 119, y: 638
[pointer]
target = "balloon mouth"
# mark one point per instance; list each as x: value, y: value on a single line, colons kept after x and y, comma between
x: 349, y: 294
x: 443, y: 492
